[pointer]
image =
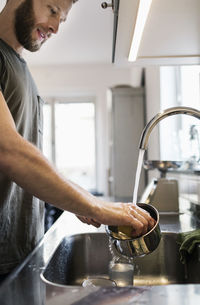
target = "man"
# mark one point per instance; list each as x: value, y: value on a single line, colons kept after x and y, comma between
x: 25, y: 175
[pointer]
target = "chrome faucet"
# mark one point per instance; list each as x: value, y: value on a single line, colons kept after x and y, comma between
x: 160, y: 116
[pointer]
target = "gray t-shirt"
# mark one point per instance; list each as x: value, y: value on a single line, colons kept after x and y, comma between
x: 21, y: 214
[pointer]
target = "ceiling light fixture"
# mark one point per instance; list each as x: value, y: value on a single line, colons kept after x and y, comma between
x: 142, y: 14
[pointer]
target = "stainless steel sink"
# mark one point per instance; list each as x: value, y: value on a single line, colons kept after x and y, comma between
x: 83, y: 256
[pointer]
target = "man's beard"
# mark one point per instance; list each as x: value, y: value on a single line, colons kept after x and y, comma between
x: 24, y: 24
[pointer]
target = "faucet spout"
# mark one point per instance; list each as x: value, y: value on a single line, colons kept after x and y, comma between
x: 160, y: 116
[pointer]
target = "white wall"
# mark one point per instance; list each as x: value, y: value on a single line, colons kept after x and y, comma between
x: 2, y: 4
x: 87, y: 80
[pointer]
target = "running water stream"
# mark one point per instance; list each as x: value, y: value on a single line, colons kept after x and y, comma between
x: 137, y: 176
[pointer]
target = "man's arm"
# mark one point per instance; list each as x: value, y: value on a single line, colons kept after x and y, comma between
x: 23, y: 163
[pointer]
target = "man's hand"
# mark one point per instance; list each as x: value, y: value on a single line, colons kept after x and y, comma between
x: 121, y: 214
x: 124, y: 214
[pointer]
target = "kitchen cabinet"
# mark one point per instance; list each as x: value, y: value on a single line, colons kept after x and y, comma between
x: 171, y: 33
x: 126, y: 122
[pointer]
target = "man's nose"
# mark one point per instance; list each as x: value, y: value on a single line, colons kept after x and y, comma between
x: 54, y: 26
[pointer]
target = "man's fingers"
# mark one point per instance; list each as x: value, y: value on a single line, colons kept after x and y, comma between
x: 142, y: 223
x: 151, y: 221
x: 95, y: 223
x: 140, y: 220
x: 88, y: 221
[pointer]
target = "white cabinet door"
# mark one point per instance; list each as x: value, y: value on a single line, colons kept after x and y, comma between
x: 126, y: 123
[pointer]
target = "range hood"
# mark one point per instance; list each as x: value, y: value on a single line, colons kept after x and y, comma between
x: 171, y: 33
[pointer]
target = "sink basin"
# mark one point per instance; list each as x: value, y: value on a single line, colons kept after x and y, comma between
x: 83, y: 256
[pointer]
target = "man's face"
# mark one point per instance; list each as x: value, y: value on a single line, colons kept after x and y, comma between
x: 36, y: 20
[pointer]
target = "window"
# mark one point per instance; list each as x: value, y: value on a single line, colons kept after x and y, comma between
x: 69, y: 139
x: 179, y: 134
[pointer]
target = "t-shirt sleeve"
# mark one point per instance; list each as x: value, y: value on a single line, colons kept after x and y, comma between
x: 1, y: 70
x: 1, y: 62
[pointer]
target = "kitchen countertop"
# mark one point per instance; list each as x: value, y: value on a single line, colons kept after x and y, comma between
x: 25, y: 286
x: 188, y: 171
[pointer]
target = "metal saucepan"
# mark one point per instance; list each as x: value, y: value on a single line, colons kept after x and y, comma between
x: 142, y: 245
